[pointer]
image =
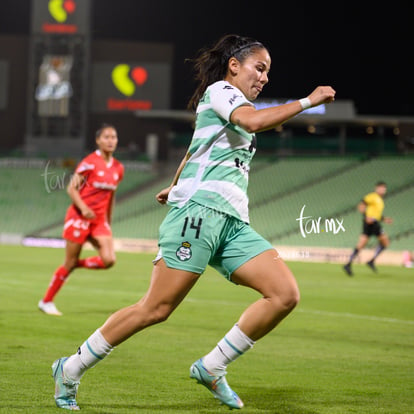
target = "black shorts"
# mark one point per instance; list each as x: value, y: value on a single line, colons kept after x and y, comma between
x: 373, y: 229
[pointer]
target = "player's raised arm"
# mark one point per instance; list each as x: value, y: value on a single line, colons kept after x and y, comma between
x: 253, y: 120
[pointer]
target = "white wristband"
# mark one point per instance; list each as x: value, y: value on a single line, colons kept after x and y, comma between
x: 305, y: 103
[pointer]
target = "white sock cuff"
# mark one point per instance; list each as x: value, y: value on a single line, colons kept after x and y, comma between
x: 238, y: 340
x: 103, y: 342
x: 98, y: 345
x: 93, y: 350
x: 244, y: 336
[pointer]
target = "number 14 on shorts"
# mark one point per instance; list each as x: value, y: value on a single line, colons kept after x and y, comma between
x: 193, y: 226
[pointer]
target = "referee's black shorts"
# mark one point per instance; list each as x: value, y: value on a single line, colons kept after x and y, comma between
x: 373, y: 229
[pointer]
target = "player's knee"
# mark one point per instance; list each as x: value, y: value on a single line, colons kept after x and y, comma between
x: 289, y: 298
x: 292, y: 298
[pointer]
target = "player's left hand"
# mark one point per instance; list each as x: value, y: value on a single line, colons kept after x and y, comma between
x: 162, y: 196
x: 387, y: 220
x: 88, y: 213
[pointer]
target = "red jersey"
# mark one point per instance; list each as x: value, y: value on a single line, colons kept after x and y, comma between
x: 101, y: 179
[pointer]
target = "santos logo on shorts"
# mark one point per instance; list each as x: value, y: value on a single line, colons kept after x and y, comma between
x: 184, y: 251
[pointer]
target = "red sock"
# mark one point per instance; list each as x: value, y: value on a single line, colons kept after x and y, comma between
x: 56, y: 283
x: 92, y: 263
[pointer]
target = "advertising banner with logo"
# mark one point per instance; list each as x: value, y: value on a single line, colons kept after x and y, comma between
x: 60, y: 16
x: 125, y: 87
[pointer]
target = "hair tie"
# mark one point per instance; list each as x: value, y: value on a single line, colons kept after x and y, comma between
x: 239, y: 49
x: 245, y: 47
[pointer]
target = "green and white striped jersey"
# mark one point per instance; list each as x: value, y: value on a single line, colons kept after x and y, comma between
x: 216, y: 174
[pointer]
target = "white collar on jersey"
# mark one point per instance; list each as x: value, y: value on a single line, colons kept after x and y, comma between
x: 109, y: 163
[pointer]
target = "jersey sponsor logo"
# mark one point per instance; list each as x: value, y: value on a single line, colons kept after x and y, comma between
x: 104, y: 186
x: 184, y: 252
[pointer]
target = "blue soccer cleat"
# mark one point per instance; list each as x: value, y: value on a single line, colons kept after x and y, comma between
x: 218, y: 386
x: 65, y: 389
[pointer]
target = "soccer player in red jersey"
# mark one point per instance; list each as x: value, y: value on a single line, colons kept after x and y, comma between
x: 88, y: 218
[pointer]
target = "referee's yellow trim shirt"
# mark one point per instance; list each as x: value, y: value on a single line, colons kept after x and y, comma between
x: 375, y: 206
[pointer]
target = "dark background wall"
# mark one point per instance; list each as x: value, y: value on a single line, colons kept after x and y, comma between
x: 363, y: 49
x: 14, y: 50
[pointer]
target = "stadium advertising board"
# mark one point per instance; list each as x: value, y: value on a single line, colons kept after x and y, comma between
x: 130, y: 86
x: 67, y: 17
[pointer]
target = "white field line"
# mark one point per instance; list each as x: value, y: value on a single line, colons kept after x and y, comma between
x: 356, y: 316
x: 234, y: 303
x: 315, y: 312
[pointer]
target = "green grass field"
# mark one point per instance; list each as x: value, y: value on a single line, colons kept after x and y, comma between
x: 347, y: 348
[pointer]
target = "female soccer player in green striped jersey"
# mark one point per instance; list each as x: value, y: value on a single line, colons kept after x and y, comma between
x: 208, y: 222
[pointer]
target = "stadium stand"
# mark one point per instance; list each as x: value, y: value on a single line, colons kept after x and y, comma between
x: 30, y: 198
x: 33, y: 198
x: 140, y: 215
x: 34, y: 202
x: 331, y: 196
x: 276, y: 178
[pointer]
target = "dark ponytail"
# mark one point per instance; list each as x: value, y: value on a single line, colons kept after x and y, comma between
x: 211, y: 64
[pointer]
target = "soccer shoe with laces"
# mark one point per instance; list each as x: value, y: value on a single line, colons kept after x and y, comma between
x: 218, y: 386
x: 49, y: 308
x: 65, y: 389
